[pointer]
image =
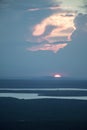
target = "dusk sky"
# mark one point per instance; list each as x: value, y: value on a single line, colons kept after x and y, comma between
x: 42, y: 38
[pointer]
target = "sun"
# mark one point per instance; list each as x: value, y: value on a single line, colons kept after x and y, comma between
x: 57, y: 76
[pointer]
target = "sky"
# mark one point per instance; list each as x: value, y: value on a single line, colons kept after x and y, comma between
x: 43, y: 38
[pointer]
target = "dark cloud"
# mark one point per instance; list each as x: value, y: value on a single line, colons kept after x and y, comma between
x: 80, y: 34
x: 80, y: 21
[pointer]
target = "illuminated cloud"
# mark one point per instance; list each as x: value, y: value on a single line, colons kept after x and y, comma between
x: 61, y: 21
x: 33, y: 9
x: 57, y: 27
x: 46, y: 8
x: 48, y: 47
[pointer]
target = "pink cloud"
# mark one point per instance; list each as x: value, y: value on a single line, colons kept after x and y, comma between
x: 54, y: 7
x: 61, y: 21
x: 57, y: 27
x: 45, y: 8
x: 63, y: 27
x: 48, y: 47
x: 33, y: 9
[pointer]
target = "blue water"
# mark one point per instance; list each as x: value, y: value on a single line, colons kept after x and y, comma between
x: 50, y: 89
x: 36, y: 96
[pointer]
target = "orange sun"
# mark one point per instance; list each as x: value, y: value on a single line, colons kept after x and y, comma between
x: 57, y: 76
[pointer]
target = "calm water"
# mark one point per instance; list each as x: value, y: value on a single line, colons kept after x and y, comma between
x: 43, y: 89
x: 25, y: 89
x: 36, y: 95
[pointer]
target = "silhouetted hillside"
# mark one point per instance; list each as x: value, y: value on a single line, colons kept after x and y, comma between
x: 43, y: 114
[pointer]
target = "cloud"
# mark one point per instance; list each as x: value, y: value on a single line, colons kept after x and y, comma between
x: 33, y: 9
x: 48, y: 47
x: 44, y: 8
x: 57, y: 27
x: 81, y: 24
x: 84, y: 6
x: 48, y: 22
x: 61, y: 21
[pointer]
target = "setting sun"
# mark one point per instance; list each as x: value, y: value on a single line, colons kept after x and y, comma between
x: 57, y: 76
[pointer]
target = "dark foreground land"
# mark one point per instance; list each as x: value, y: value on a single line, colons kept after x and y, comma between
x: 42, y: 114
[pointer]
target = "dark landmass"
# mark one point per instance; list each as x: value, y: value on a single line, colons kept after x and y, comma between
x: 42, y: 114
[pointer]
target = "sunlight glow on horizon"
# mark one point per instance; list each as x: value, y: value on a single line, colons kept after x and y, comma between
x: 57, y: 76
